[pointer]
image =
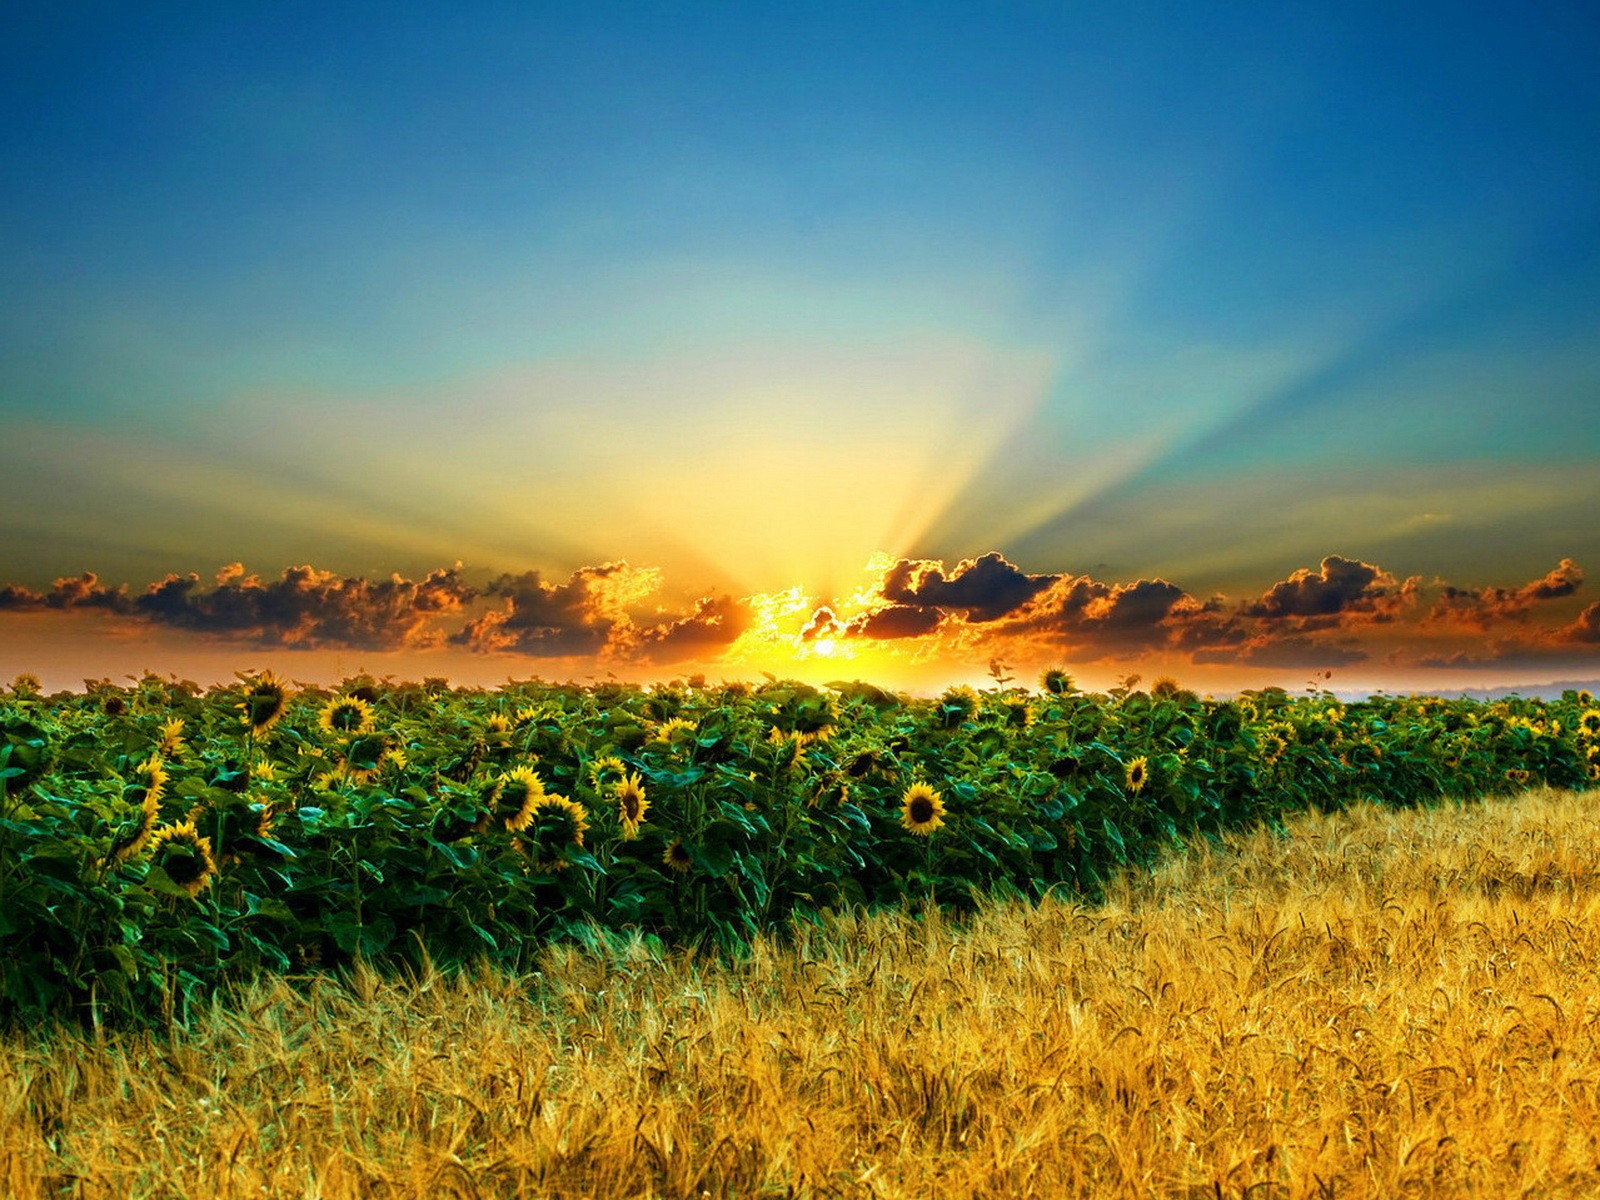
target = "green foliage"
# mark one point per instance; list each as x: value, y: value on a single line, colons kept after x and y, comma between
x: 154, y: 844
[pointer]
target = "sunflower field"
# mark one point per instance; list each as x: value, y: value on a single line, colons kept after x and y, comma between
x: 158, y: 840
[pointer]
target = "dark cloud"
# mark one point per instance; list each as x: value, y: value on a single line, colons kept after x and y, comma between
x: 896, y: 621
x: 714, y: 622
x: 1338, y: 586
x: 1093, y: 619
x: 980, y: 589
x: 74, y: 591
x: 1585, y: 630
x: 1314, y: 619
x: 307, y: 608
x: 1491, y: 605
x: 552, y: 620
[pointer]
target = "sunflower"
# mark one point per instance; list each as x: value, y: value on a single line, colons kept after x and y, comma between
x: 170, y: 742
x: 497, y: 730
x: 1518, y: 775
x: 1589, y: 723
x: 921, y: 809
x: 832, y: 790
x: 606, y: 765
x: 956, y: 705
x: 815, y: 722
x: 149, y: 782
x: 557, y: 824
x: 364, y: 755
x: 676, y: 857
x: 131, y: 843
x: 184, y: 855
x: 347, y: 715
x: 332, y: 779
x: 632, y: 804
x: 668, y: 731
x: 1056, y: 681
x: 1016, y: 712
x: 264, y: 701
x: 863, y: 762
x: 518, y: 791
x: 1138, y: 773
x: 1594, y: 772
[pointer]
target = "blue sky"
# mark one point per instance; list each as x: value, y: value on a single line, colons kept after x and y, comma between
x: 1134, y: 288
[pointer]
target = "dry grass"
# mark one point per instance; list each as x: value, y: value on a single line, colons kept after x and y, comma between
x: 1382, y: 1005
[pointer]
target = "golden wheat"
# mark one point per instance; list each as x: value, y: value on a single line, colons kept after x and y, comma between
x: 1380, y: 1004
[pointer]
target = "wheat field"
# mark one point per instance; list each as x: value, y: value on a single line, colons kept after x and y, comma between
x: 1379, y: 1004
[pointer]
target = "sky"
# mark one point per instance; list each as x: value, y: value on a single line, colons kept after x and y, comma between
x: 890, y: 341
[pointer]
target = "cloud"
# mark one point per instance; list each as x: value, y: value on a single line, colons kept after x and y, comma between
x: 307, y: 608
x: 711, y: 626
x: 74, y: 591
x: 1489, y: 606
x: 1095, y: 619
x: 581, y: 616
x: 896, y: 621
x: 1339, y: 587
x: 980, y: 589
x: 1342, y: 612
x: 1585, y: 630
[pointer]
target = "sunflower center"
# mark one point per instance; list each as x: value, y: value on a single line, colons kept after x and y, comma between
x: 182, y: 864
x: 921, y: 810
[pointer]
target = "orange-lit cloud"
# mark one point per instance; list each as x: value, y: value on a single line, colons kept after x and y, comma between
x: 1340, y: 613
x: 303, y: 607
x: 1487, y: 607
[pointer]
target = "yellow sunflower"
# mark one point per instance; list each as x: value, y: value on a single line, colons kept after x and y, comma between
x: 497, y: 730
x: 921, y: 809
x: 557, y: 823
x: 518, y: 792
x: 863, y: 762
x: 815, y: 722
x: 956, y: 705
x: 668, y: 731
x: 346, y: 716
x: 604, y: 767
x: 1016, y: 712
x: 1138, y: 773
x: 169, y: 744
x: 184, y: 855
x: 148, y: 797
x: 632, y: 804
x: 1056, y: 681
x: 149, y: 782
x: 265, y: 699
x: 1589, y: 723
x: 1273, y: 747
x: 676, y: 857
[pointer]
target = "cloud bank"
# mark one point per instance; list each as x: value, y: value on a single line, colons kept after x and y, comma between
x: 1340, y: 612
